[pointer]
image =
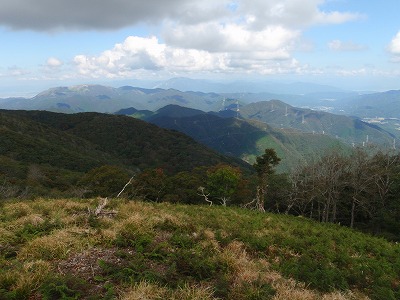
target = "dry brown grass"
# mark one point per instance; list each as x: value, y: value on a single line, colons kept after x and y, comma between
x: 16, y: 210
x: 193, y: 292
x: 246, y: 270
x: 32, y: 274
x: 5, y: 236
x: 56, y: 245
x: 145, y: 291
x: 31, y: 219
x: 149, y: 291
x: 28, y: 277
x: 210, y: 241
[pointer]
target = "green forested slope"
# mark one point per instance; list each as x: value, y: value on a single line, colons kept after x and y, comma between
x: 135, y: 143
x: 247, y: 138
x: 347, y: 129
x: 43, y: 152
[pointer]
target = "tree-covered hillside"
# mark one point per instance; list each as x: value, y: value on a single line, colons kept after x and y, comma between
x: 136, y: 143
x: 247, y: 139
x: 347, y: 129
x: 49, y: 152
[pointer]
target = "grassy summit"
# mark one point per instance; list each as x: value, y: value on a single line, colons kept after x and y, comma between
x: 55, y: 249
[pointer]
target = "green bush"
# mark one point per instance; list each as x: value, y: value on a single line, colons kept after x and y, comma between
x: 66, y: 288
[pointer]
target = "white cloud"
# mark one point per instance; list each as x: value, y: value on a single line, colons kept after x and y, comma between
x: 291, y: 13
x: 15, y: 71
x: 214, y: 37
x: 134, y: 53
x: 353, y: 72
x: 394, y: 47
x: 337, y: 17
x: 338, y: 45
x: 138, y: 54
x: 53, y: 62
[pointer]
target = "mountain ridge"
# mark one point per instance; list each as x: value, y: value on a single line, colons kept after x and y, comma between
x: 119, y: 140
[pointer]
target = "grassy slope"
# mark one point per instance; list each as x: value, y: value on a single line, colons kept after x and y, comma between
x: 164, y: 251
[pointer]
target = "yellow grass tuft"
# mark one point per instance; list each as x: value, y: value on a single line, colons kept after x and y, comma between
x: 210, y: 240
x: 16, y: 210
x: 27, y: 277
x: 136, y: 221
x: 54, y: 246
x: 32, y: 219
x: 145, y: 291
x: 32, y: 275
x: 5, y: 236
x: 145, y: 209
x: 193, y: 292
x: 244, y: 270
x: 166, y: 218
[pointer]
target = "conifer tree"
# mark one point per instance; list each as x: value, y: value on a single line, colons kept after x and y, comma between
x: 265, y: 167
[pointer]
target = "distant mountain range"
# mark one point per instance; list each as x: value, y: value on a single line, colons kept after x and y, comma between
x: 384, y: 104
x: 97, y: 98
x: 142, y: 103
x: 241, y: 86
x: 208, y: 96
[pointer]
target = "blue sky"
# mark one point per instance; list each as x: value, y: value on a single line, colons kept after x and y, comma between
x: 351, y: 44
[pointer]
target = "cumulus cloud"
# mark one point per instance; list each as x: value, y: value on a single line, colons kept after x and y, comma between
x: 149, y: 54
x: 214, y: 37
x: 137, y: 53
x: 338, y: 45
x: 394, y: 47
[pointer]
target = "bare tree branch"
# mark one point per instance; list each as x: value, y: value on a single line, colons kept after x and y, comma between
x: 101, y: 206
x: 128, y: 183
x: 201, y: 189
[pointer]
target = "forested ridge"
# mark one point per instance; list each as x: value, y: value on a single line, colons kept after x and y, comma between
x: 44, y: 153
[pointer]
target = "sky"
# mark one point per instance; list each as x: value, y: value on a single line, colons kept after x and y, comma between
x: 351, y: 44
